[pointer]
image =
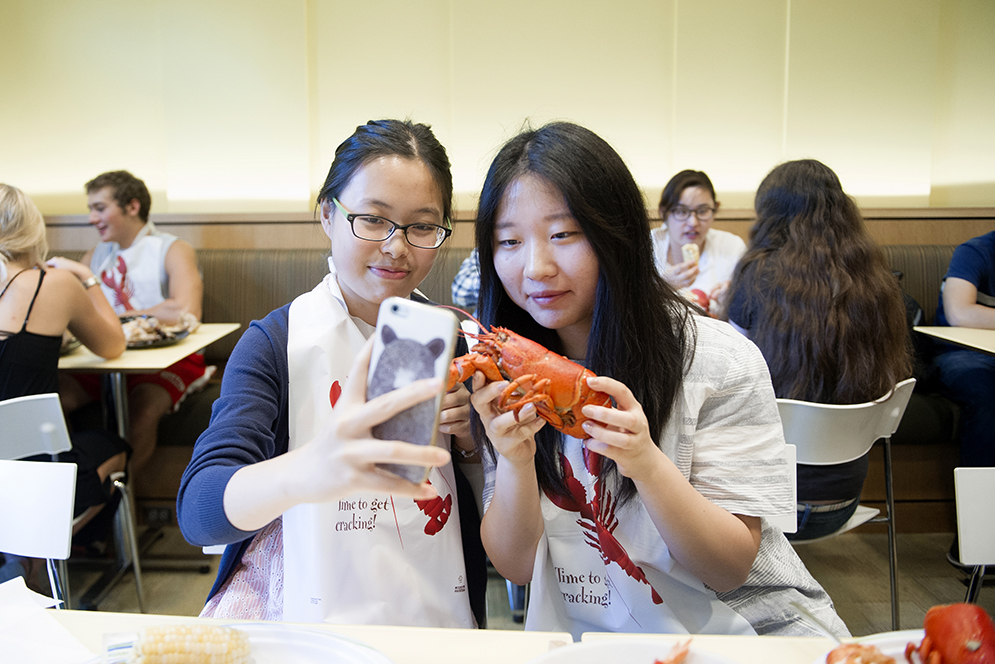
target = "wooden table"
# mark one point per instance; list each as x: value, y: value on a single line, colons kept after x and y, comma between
x: 419, y: 645
x: 968, y: 337
x: 141, y: 360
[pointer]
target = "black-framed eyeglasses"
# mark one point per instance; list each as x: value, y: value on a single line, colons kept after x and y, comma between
x: 683, y: 213
x: 377, y: 229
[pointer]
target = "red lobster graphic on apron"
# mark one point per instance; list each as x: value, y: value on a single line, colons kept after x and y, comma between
x: 122, y: 290
x: 437, y: 510
x: 597, y: 517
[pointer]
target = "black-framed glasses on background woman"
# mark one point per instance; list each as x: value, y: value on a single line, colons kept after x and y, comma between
x: 377, y: 229
x: 683, y: 213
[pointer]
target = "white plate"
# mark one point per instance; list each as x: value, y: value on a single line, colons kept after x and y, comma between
x: 274, y: 643
x: 625, y: 651
x: 890, y: 643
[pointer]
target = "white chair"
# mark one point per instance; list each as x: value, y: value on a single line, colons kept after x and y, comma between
x: 827, y: 434
x: 37, y: 521
x: 35, y: 425
x: 975, y: 494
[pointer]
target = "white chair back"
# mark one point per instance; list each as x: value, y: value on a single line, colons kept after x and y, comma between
x: 788, y: 523
x: 32, y: 425
x: 975, y: 494
x: 827, y: 434
x: 38, y: 500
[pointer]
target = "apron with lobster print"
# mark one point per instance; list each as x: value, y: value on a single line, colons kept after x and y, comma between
x: 601, y: 566
x: 134, y: 278
x: 371, y: 558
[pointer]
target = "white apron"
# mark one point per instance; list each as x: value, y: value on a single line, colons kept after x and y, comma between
x: 640, y: 588
x: 135, y: 278
x: 371, y: 558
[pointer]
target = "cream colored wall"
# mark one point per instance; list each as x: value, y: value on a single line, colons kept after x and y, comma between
x: 236, y: 106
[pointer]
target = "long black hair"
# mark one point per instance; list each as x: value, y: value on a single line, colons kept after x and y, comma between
x: 640, y: 333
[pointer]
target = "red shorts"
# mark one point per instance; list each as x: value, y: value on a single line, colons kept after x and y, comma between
x: 185, y: 377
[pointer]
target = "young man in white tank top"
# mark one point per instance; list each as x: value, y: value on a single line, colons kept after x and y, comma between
x: 141, y: 271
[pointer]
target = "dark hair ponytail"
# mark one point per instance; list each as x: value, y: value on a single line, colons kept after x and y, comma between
x: 384, y: 138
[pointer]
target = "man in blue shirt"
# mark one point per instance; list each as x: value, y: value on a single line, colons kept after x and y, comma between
x: 967, y: 377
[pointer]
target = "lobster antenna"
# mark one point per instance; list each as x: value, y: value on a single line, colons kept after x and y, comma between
x: 467, y: 314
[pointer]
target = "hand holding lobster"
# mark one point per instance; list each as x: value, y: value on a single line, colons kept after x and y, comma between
x: 455, y: 416
x: 511, y: 433
x: 622, y: 433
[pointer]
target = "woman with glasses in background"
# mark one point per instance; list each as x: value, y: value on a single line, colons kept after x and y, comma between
x: 286, y: 475
x: 690, y: 254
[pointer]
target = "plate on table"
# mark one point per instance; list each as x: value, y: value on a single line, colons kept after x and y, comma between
x: 158, y: 343
x: 69, y: 345
x: 891, y: 644
x: 276, y: 643
x: 629, y: 651
x: 148, y: 332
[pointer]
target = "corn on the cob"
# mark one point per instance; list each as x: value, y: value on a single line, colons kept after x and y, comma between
x: 190, y: 644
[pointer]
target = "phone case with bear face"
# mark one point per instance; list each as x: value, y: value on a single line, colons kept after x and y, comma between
x: 412, y: 341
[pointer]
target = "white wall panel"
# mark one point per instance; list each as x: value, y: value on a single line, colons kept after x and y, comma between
x: 223, y: 105
x: 861, y: 93
x: 81, y: 94
x: 236, y: 105
x: 964, y: 139
x: 375, y: 60
x: 729, y: 93
x: 606, y: 66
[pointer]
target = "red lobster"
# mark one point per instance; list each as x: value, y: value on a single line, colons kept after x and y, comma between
x: 557, y: 386
x: 955, y: 634
x: 437, y: 510
x: 598, y: 518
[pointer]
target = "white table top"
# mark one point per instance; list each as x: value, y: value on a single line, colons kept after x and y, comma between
x: 969, y: 337
x: 143, y: 360
x: 423, y: 645
x: 403, y: 645
x: 743, y: 649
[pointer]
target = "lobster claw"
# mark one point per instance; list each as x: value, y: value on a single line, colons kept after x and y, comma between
x: 464, y: 366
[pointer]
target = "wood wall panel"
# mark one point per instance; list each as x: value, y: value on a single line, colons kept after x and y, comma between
x: 300, y: 230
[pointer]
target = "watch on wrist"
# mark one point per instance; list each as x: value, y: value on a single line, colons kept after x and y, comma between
x: 92, y: 281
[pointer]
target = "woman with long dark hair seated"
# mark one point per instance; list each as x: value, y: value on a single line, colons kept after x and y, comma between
x: 815, y: 293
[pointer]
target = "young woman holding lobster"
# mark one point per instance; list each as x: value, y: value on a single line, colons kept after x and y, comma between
x: 652, y: 519
x: 285, y: 475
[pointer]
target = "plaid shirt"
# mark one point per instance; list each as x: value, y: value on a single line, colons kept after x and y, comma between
x: 466, y: 283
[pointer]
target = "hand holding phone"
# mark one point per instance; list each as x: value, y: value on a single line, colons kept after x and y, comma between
x: 412, y: 341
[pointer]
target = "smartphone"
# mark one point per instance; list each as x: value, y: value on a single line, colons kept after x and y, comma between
x: 412, y: 341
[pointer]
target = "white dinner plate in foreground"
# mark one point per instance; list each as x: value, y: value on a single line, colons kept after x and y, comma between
x: 891, y: 644
x: 274, y: 643
x: 625, y: 651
